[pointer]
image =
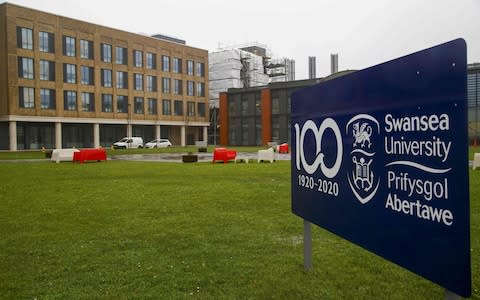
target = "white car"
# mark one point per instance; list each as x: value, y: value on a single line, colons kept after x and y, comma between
x: 158, y: 143
x: 129, y: 143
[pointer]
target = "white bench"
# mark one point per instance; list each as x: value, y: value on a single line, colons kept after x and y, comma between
x: 59, y: 155
x: 267, y: 155
x: 476, y: 161
x: 241, y: 158
x: 272, y: 145
x: 201, y: 145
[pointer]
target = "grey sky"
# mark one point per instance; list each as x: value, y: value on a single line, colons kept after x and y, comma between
x: 363, y: 33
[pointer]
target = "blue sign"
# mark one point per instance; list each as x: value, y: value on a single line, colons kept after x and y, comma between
x: 379, y: 158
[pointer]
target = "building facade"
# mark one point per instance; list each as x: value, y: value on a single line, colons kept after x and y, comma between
x: 473, y: 94
x: 68, y: 83
x: 256, y: 116
x: 259, y: 115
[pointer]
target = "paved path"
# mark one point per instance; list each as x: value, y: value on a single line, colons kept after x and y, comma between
x: 177, y: 157
x: 169, y: 157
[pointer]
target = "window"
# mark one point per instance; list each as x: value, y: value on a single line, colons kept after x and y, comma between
x: 47, y: 70
x: 138, y: 105
x: 46, y: 42
x: 166, y: 85
x: 178, y: 108
x: 151, y: 83
x: 138, y: 82
x: 26, y: 97
x: 152, y: 106
x: 121, y: 56
x: 151, y: 61
x: 107, y: 103
x: 275, y: 104
x: 25, y: 67
x: 122, y: 104
x: 25, y: 38
x: 166, y: 109
x: 177, y: 65
x: 68, y: 46
x: 190, y: 108
x: 122, y: 80
x: 106, y: 78
x: 137, y: 58
x: 88, y: 102
x: 244, y: 104
x: 47, y: 99
x: 200, y: 89
x: 86, y: 49
x: 200, y: 69
x: 70, y: 100
x: 165, y: 63
x: 201, y: 109
x: 258, y: 105
x: 87, y: 75
x: 69, y: 73
x: 473, y: 91
x: 177, y: 86
x: 189, y: 67
x: 190, y: 85
x: 106, y: 52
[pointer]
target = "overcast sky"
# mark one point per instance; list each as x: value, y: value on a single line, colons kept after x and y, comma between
x: 363, y: 33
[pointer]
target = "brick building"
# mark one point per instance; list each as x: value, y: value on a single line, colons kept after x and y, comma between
x: 68, y: 83
x: 258, y: 115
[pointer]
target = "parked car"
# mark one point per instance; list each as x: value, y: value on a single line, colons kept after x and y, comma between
x: 129, y: 142
x: 158, y: 143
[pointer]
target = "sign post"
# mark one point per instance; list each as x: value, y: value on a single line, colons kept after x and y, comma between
x: 307, y: 245
x: 379, y: 158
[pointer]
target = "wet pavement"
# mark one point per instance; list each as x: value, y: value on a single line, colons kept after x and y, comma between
x: 172, y: 157
x: 164, y: 157
x: 202, y: 157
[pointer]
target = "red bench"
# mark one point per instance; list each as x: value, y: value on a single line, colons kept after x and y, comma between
x: 224, y: 154
x: 283, y: 148
x: 90, y: 154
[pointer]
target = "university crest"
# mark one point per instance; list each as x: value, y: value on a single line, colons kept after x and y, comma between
x: 361, y: 177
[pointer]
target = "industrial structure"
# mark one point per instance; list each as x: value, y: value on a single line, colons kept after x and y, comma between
x: 243, y: 66
x: 312, y: 67
x: 333, y: 63
x: 69, y: 83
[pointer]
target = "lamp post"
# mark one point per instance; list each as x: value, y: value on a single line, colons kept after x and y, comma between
x: 214, y: 126
x: 129, y: 120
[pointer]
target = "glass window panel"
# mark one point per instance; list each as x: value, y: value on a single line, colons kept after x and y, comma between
x: 70, y: 100
x: 138, y: 105
x: 152, y: 106
x: 25, y: 38
x: 138, y: 58
x: 26, y: 97
x: 69, y: 46
x: 165, y: 63
x: 106, y: 52
x: 107, y: 103
x: 122, y: 104
x: 166, y: 109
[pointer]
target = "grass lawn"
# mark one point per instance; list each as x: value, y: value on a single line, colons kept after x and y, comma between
x: 122, y: 229
x: 472, y: 150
